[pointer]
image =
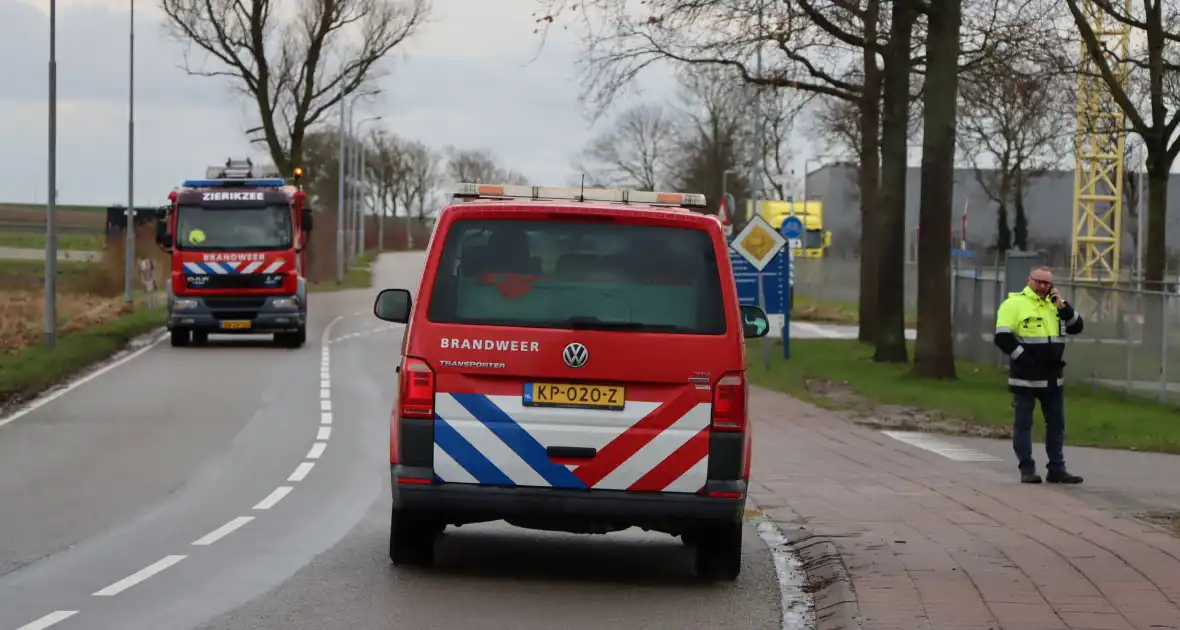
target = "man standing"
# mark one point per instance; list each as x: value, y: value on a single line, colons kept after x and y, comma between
x: 1029, y: 329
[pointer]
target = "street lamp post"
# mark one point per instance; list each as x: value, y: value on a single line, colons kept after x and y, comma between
x: 362, y: 187
x: 51, y: 207
x: 129, y: 238
x: 340, y: 193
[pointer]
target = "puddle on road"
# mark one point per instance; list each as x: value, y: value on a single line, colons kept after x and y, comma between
x: 796, y: 603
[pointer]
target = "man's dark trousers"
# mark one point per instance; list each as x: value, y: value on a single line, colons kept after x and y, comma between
x: 1053, y: 408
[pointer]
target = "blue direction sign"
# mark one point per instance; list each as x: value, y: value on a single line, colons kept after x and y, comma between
x: 773, y: 281
x: 792, y: 227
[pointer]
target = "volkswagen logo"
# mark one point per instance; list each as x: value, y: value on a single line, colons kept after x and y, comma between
x: 575, y: 355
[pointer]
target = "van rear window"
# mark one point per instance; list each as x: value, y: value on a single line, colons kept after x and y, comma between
x: 581, y: 275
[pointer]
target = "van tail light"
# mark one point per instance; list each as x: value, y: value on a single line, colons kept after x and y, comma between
x: 729, y: 402
x: 417, y: 389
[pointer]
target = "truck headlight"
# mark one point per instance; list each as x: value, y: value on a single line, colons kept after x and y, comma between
x: 285, y: 302
x: 184, y: 303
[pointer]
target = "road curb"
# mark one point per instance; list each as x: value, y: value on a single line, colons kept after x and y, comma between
x: 828, y: 581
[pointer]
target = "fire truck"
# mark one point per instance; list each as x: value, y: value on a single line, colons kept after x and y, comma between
x: 237, y: 245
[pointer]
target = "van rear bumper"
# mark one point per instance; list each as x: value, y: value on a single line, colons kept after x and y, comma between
x: 466, y: 503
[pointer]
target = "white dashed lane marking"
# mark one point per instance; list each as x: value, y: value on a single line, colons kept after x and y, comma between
x: 947, y: 449
x: 48, y: 620
x: 139, y: 576
x: 274, y: 497
x: 222, y: 532
x: 324, y: 433
x: 301, y: 471
x: 317, y: 450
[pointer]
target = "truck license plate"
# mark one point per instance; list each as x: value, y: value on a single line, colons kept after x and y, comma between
x: 236, y: 323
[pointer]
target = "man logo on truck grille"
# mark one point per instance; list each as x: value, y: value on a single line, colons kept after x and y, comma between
x: 575, y: 355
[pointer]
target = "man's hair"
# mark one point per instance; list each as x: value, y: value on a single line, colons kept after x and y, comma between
x: 1040, y: 268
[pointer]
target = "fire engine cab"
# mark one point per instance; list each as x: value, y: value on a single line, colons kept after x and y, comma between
x: 237, y: 243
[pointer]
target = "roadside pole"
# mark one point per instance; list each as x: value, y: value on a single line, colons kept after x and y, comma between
x: 792, y: 233
x: 50, y: 315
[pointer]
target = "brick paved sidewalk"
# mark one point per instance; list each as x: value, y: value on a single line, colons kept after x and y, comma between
x: 934, y: 544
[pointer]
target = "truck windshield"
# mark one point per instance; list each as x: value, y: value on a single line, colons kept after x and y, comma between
x: 813, y: 239
x: 579, y: 275
x: 223, y: 228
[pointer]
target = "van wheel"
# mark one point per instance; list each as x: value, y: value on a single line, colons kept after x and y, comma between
x: 411, y: 541
x: 719, y: 552
x: 292, y: 339
x: 200, y: 337
x: 179, y: 337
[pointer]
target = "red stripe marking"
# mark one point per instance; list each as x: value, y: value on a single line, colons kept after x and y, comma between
x: 630, y: 441
x: 678, y: 463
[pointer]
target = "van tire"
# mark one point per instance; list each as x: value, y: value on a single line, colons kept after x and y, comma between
x: 200, y: 337
x: 411, y: 541
x: 292, y: 339
x: 719, y: 552
x: 179, y: 337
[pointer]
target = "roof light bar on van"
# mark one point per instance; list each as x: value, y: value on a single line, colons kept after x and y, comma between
x: 617, y: 195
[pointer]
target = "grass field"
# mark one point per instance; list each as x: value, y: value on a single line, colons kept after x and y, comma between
x: 36, y: 240
x: 841, y: 374
x: 356, y: 276
x: 833, y: 312
x: 28, y: 220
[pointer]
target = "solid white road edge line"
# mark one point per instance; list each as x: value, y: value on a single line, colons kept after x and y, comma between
x: 139, y: 576
x: 795, y: 601
x: 49, y: 620
x: 37, y: 403
x: 222, y: 532
x: 273, y: 498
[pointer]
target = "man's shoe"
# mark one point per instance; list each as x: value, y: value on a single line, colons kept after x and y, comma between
x: 1030, y: 478
x: 1060, y: 476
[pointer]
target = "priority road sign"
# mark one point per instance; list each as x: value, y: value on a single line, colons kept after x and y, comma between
x: 792, y: 227
x: 758, y: 242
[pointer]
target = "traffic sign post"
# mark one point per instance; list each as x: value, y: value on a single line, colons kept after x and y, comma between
x: 758, y: 243
x: 792, y: 230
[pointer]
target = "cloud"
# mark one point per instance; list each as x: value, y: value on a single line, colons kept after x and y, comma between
x: 473, y: 77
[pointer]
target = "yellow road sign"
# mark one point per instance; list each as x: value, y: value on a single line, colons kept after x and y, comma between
x: 758, y: 243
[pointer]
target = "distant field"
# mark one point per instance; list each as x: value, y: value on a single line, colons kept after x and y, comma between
x: 36, y: 240
x: 16, y: 217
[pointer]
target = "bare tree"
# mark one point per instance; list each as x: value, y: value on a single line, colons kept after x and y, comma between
x: 294, y: 68
x: 422, y: 175
x: 716, y: 128
x: 479, y: 166
x: 1015, y: 127
x: 780, y: 110
x: 635, y: 151
x: 386, y: 166
x: 1153, y: 111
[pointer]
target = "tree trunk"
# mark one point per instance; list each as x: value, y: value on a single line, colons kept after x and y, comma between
x: 1155, y: 259
x: 1020, y: 224
x: 934, y: 351
x: 891, y: 346
x: 1003, y: 233
x: 870, y: 178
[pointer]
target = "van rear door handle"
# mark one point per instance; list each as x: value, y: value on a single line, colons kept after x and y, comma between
x: 571, y: 452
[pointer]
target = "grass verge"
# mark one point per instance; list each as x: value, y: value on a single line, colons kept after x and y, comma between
x: 840, y: 374
x: 808, y: 309
x: 359, y: 275
x: 27, y: 372
x: 68, y: 242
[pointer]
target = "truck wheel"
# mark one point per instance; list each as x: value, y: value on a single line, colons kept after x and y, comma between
x: 719, y: 552
x: 411, y: 541
x: 291, y: 339
x: 200, y: 337
x: 179, y: 337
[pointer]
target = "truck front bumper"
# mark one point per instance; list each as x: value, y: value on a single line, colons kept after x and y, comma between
x: 237, y: 315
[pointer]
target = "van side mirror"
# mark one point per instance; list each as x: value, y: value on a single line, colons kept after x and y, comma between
x: 393, y: 305
x: 827, y: 238
x: 754, y: 322
x: 306, y: 219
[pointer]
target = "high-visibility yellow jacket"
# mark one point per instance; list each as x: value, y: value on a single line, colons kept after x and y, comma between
x: 1030, y: 330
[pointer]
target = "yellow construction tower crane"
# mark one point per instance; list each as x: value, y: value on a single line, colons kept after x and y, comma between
x: 1099, y: 147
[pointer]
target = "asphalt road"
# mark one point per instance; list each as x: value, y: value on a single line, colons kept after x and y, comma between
x: 246, y: 486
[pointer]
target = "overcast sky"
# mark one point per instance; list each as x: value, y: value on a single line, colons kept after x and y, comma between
x: 466, y: 80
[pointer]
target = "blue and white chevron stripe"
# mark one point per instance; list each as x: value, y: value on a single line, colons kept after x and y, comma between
x: 236, y: 267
